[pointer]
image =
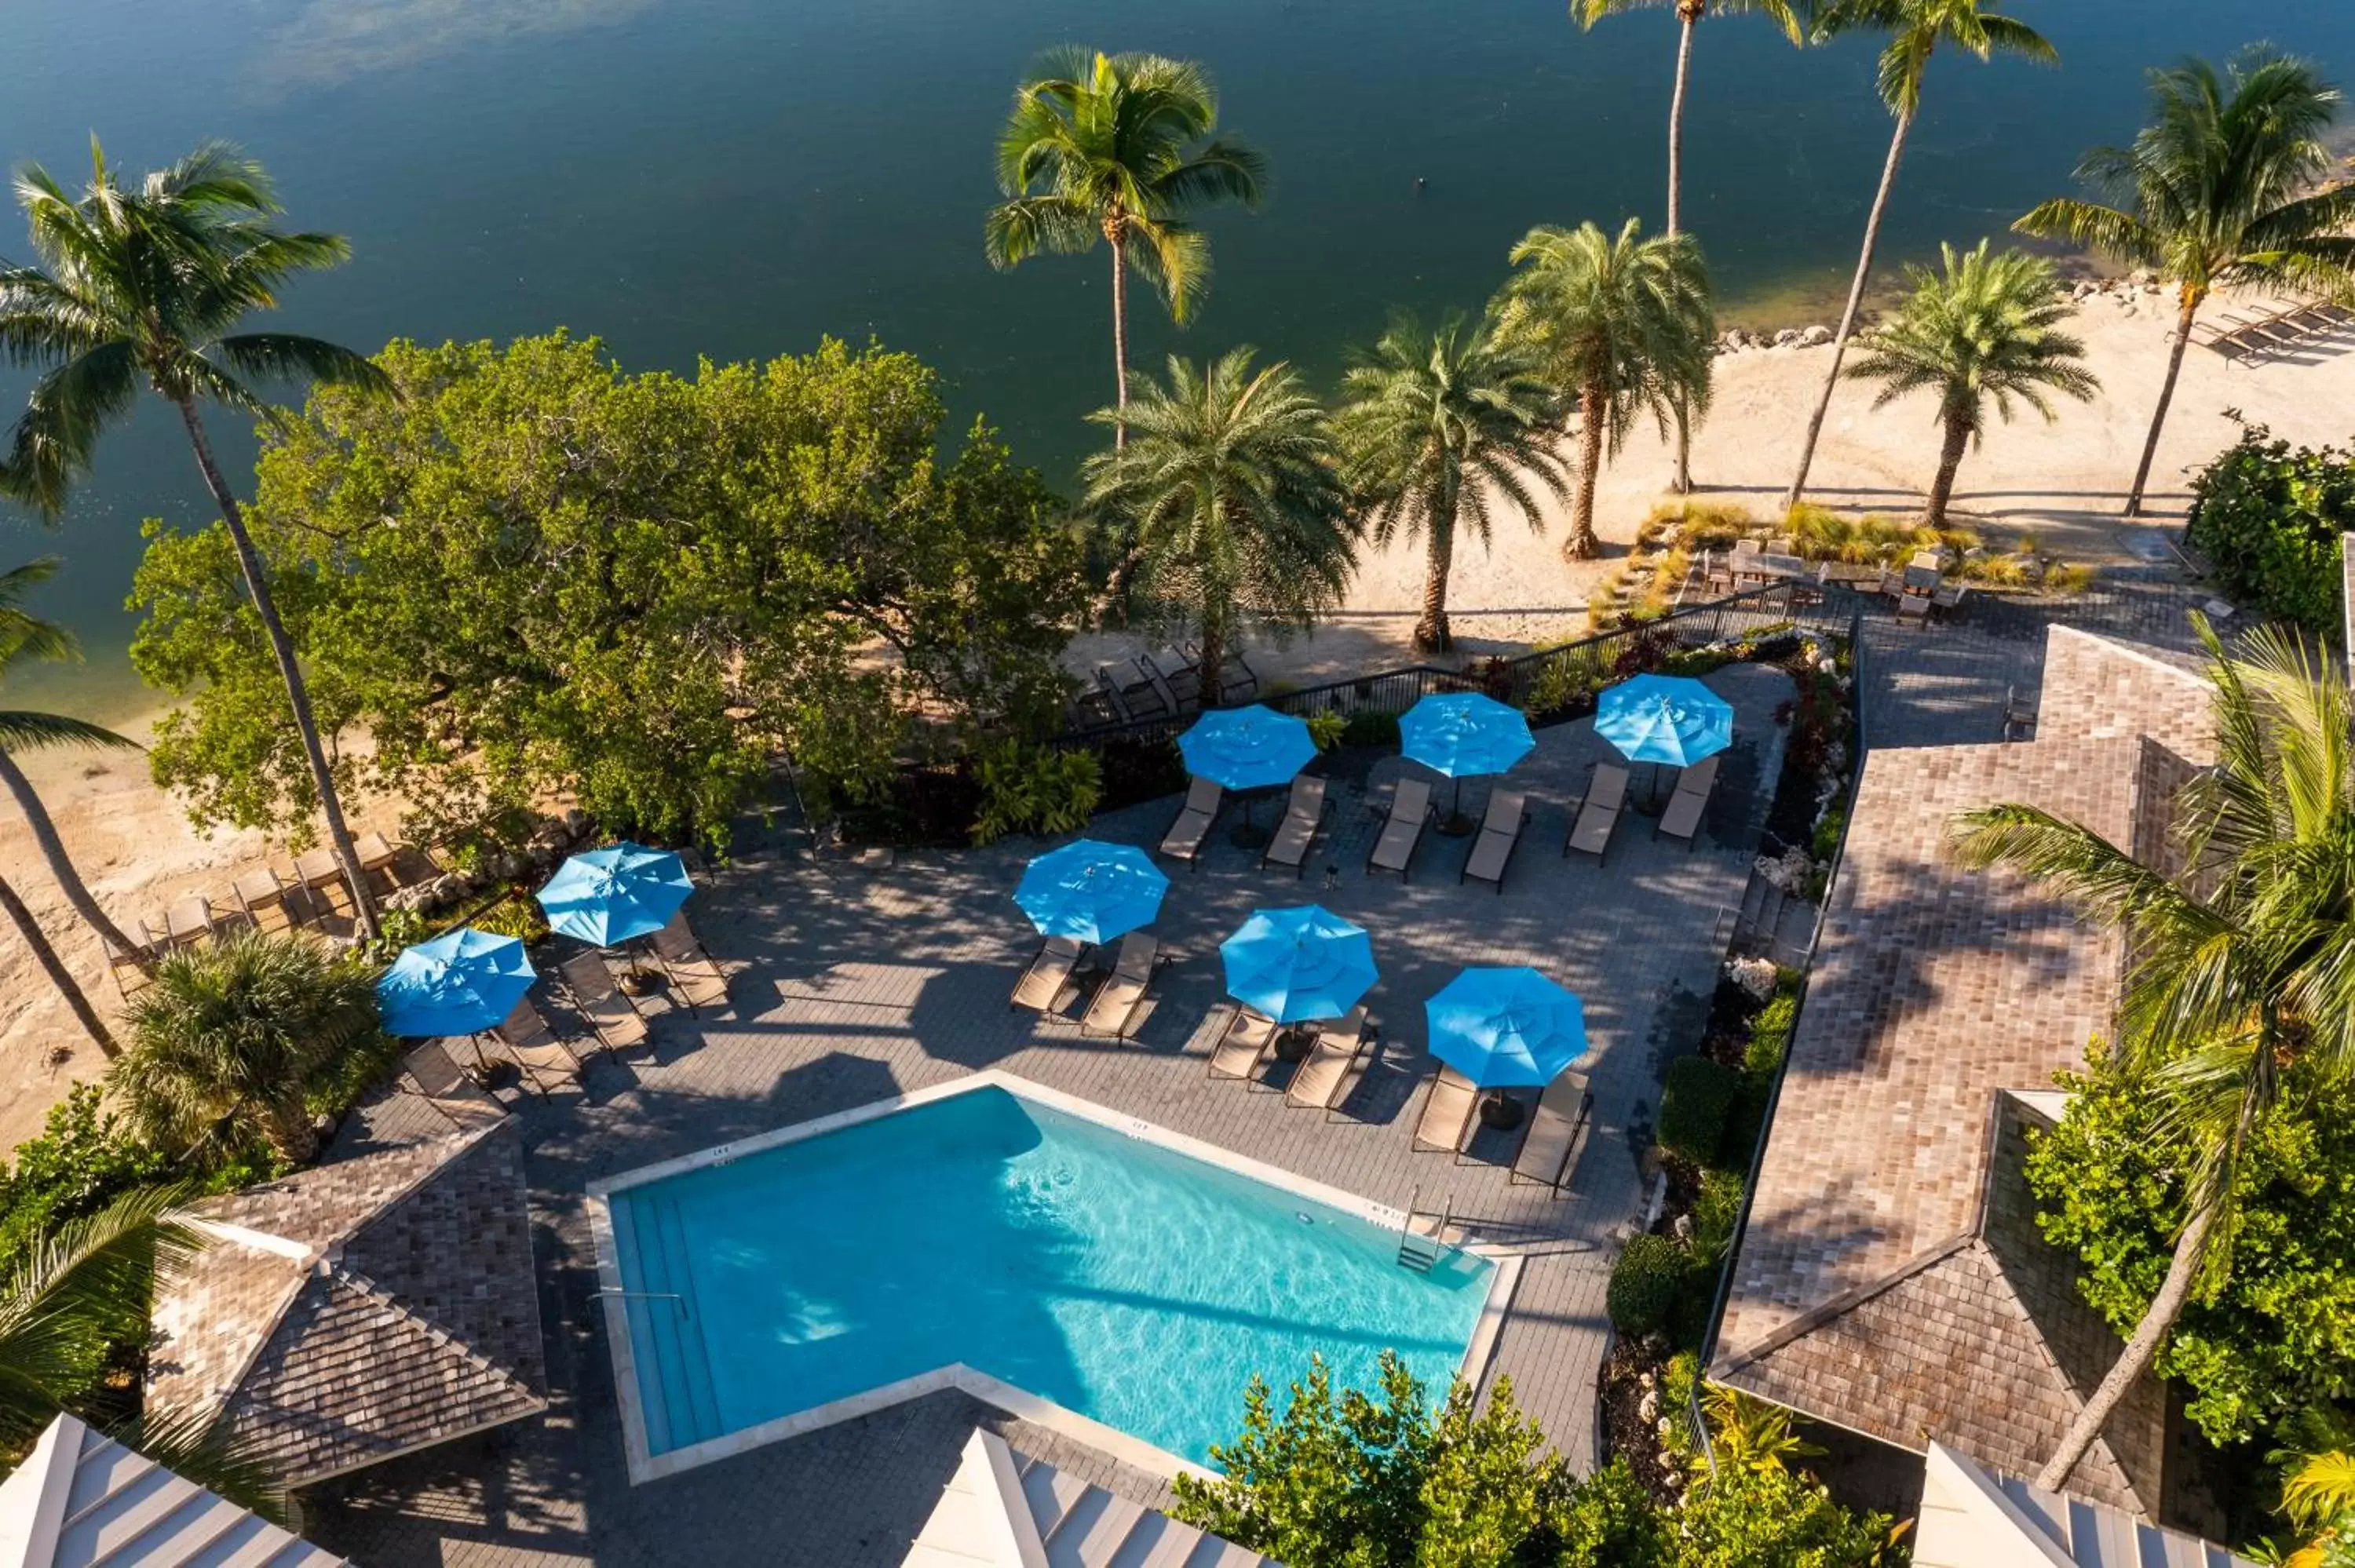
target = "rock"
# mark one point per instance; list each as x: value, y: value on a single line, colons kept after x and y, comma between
x: 2031, y: 571
x: 1648, y: 1407
x: 1786, y: 337
x: 1815, y: 336
x: 2217, y: 609
x: 576, y: 822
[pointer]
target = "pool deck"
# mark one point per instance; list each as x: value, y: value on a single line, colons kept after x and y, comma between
x: 858, y: 985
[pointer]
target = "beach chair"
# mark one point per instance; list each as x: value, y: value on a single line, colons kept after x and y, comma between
x: 2018, y: 715
x: 1500, y: 834
x: 259, y: 892
x: 1249, y: 1037
x: 1113, y: 1012
x: 1914, y: 608
x: 1447, y: 1107
x: 1946, y: 600
x: 441, y: 1083
x: 1607, y: 797
x: 1191, y: 831
x: 548, y: 1062
x: 133, y: 972
x: 1336, y: 1060
x: 1686, y: 807
x: 1304, y: 816
x: 1042, y: 984
x: 1108, y: 686
x: 1090, y: 708
x: 695, y: 979
x: 1237, y: 680
x: 1403, y: 831
x: 1557, y: 1133
x: 589, y: 985
x: 1181, y: 675
x: 189, y: 921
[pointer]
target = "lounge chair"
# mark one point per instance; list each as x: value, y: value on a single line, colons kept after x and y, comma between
x: 1557, y: 1133
x: 695, y: 979
x: 1447, y: 1107
x: 1402, y: 831
x: 1690, y: 802
x: 1181, y: 675
x: 189, y: 921
x: 259, y: 892
x: 548, y: 1062
x: 1946, y: 600
x: 616, y: 1018
x: 1607, y: 797
x: 1191, y: 831
x: 1336, y: 1060
x: 1913, y: 606
x: 2018, y: 715
x: 1042, y: 985
x: 1113, y: 1012
x: 1500, y: 834
x: 1303, y: 815
x: 442, y: 1085
x: 1090, y: 709
x: 1248, y: 1039
x: 1236, y: 678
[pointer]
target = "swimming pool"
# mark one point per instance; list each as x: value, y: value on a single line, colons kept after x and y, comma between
x: 1073, y: 1256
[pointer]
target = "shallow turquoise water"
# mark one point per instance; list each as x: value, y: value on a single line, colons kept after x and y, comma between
x: 1123, y: 1281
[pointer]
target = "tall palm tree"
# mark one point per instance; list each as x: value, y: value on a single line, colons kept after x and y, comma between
x: 1982, y: 328
x: 2221, y: 190
x: 2241, y: 968
x: 1229, y: 496
x: 1437, y: 428
x: 229, y: 1040
x: 46, y: 955
x: 147, y: 283
x: 1915, y: 30
x: 1114, y: 145
x: 1623, y: 324
x: 25, y: 637
x: 2318, y: 1496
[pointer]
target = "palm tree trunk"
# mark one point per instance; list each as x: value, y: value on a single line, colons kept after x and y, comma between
x: 1950, y: 457
x: 2156, y: 1320
x: 1847, y: 317
x: 1120, y: 331
x: 1682, y: 484
x: 288, y: 1130
x: 1432, y: 633
x: 1581, y: 545
x: 61, y: 866
x: 2190, y: 308
x: 52, y: 964
x: 297, y: 695
x: 1214, y: 657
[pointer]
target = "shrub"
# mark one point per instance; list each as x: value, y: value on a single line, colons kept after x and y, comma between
x: 1326, y: 728
x: 1707, y: 524
x: 1137, y: 770
x: 1715, y: 1212
x: 1646, y: 1283
x: 1770, y: 1034
x: 1694, y: 1107
x: 2268, y: 516
x: 1035, y: 790
x: 1820, y: 533
x: 1372, y: 726
x: 518, y: 914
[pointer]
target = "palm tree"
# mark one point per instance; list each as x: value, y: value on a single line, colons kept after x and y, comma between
x: 2218, y: 191
x: 2318, y: 1496
x: 1229, y: 497
x: 2241, y: 968
x: 27, y: 637
x: 1915, y: 30
x: 1623, y: 324
x: 229, y: 1040
x: 45, y: 955
x: 1112, y: 145
x: 147, y: 283
x: 1983, y: 328
x: 1437, y: 428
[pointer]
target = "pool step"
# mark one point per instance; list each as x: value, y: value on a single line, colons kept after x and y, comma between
x: 678, y: 1402
x: 1425, y: 1235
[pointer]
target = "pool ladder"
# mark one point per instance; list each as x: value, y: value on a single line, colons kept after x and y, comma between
x: 1423, y: 1237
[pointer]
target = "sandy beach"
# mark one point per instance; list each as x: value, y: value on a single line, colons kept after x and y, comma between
x: 2065, y: 482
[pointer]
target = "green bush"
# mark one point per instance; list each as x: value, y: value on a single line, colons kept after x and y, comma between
x: 1326, y: 728
x: 1035, y: 790
x: 1695, y: 1105
x: 2268, y: 517
x: 1371, y: 726
x: 1646, y: 1283
x: 518, y: 915
x: 1714, y: 1214
x: 1770, y: 1034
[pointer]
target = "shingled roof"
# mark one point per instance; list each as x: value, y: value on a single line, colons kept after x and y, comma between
x: 360, y: 1309
x: 1892, y: 1279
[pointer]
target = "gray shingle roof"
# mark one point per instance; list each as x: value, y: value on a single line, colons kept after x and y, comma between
x: 1977, y: 1517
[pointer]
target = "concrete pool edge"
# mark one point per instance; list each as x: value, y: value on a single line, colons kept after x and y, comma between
x: 645, y: 1465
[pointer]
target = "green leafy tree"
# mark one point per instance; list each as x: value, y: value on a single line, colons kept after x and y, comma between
x: 1229, y: 498
x: 148, y: 284
x: 2224, y: 188
x: 1982, y: 329
x: 2243, y: 967
x: 530, y: 572
x: 1114, y: 145
x: 1771, y: 1517
x: 1916, y: 29
x: 2269, y: 518
x: 229, y: 1041
x: 1439, y: 430
x: 1623, y: 324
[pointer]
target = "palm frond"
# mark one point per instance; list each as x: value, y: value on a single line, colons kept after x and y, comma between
x: 281, y: 356
x: 22, y: 731
x: 56, y: 438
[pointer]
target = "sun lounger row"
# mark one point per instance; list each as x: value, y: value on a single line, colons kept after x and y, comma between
x: 1553, y: 1138
x: 1155, y: 685
x: 1333, y: 1059
x: 1119, y: 1004
x: 1288, y: 846
x: 548, y: 1060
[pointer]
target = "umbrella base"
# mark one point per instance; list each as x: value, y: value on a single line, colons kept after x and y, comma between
x: 1456, y: 825
x: 1248, y: 836
x: 1501, y: 1111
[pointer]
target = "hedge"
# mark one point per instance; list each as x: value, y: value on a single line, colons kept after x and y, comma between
x: 1694, y: 1107
x: 1645, y: 1282
x: 2268, y: 517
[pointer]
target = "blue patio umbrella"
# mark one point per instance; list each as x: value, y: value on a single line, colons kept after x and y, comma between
x: 1299, y: 963
x: 1462, y: 733
x: 1247, y: 749
x: 607, y: 895
x: 1090, y: 891
x: 1505, y: 1028
x: 1669, y: 719
x: 461, y: 982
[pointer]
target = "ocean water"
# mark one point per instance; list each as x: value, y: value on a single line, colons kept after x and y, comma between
x: 1123, y: 1280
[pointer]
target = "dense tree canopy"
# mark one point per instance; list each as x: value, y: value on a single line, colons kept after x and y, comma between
x: 531, y: 570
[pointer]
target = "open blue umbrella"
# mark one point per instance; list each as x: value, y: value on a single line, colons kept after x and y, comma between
x: 1669, y: 719
x: 1458, y: 734
x: 1090, y: 891
x: 1247, y: 749
x: 607, y: 895
x: 461, y: 982
x: 1299, y: 963
x: 1504, y: 1028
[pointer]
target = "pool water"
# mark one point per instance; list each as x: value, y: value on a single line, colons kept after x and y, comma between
x: 1124, y: 1281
